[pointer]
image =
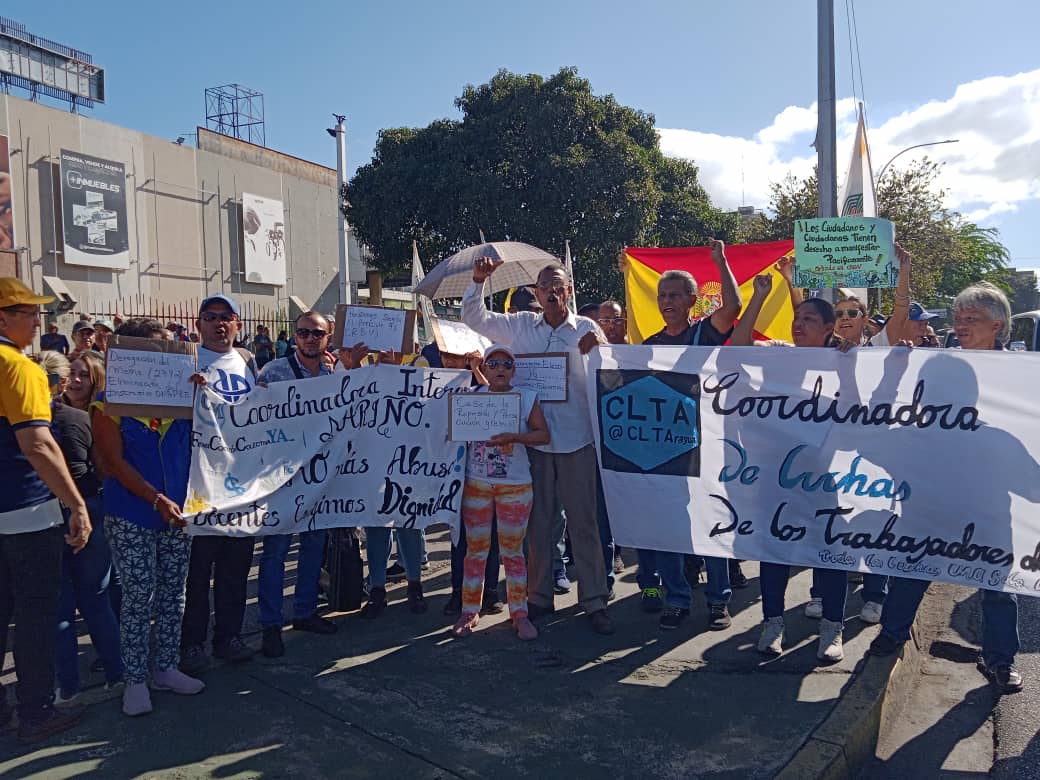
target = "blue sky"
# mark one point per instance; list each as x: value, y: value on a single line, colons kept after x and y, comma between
x: 731, y: 85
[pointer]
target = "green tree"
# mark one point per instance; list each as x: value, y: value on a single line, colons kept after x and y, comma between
x: 533, y: 159
x: 949, y: 252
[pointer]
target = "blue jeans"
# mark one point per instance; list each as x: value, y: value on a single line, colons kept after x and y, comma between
x: 84, y: 585
x: 875, y: 587
x: 999, y: 618
x: 458, y: 558
x: 657, y: 568
x: 271, y: 585
x: 409, y: 549
x: 606, y: 538
x: 831, y: 584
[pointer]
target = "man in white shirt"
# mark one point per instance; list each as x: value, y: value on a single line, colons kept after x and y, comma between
x: 567, y: 465
x: 224, y: 559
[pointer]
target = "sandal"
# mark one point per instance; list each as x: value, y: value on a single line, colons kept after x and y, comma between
x: 524, y: 628
x: 465, y: 624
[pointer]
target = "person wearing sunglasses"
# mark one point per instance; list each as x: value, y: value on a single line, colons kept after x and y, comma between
x: 306, y: 362
x: 565, y: 469
x: 225, y: 560
x: 498, y: 486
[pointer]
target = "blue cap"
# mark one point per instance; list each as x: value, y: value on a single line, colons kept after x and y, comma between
x: 223, y: 299
x: 919, y: 312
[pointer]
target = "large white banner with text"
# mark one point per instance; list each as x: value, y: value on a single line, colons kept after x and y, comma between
x: 917, y: 463
x: 367, y: 447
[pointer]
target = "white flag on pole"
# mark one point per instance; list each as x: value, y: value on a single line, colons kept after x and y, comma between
x: 857, y: 197
x: 572, y: 302
x: 422, y: 303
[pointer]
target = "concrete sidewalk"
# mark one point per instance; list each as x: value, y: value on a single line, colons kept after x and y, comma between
x: 400, y: 694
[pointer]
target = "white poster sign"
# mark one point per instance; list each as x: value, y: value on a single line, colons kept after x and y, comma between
x: 914, y: 463
x: 263, y: 239
x: 457, y: 338
x: 367, y: 447
x: 545, y: 373
x: 479, y: 416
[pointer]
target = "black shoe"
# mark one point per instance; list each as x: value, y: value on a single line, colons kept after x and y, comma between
x: 51, y: 721
x: 1005, y: 676
x: 535, y: 611
x: 193, y: 660
x: 718, y: 617
x: 736, y: 576
x: 454, y: 605
x: 416, y: 602
x: 650, y: 600
x: 375, y: 605
x: 601, y: 622
x: 236, y: 651
x: 315, y: 624
x: 672, y: 617
x: 884, y: 646
x: 491, y: 605
x: 272, y: 646
x: 395, y: 573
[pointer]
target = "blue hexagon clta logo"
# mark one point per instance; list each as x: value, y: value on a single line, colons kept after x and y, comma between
x: 649, y: 421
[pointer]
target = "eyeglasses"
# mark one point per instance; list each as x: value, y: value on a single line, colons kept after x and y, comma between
x: 556, y: 287
x: 213, y: 316
x: 506, y: 363
x: 612, y: 320
x: 24, y: 312
x: 848, y: 313
x: 306, y: 333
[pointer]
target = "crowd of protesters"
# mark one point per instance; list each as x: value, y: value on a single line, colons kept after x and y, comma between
x: 92, y: 520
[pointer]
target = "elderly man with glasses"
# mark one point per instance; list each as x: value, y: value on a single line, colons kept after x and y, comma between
x: 307, y: 362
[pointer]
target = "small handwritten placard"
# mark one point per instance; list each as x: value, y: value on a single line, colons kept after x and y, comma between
x: 545, y: 373
x: 457, y: 338
x: 149, y: 377
x: 845, y: 252
x: 377, y: 327
x: 479, y: 416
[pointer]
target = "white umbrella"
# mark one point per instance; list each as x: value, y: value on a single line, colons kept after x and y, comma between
x: 451, y: 277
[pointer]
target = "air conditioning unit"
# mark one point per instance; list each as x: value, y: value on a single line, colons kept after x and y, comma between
x: 63, y: 298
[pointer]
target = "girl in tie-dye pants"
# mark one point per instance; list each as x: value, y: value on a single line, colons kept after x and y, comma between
x: 498, y: 483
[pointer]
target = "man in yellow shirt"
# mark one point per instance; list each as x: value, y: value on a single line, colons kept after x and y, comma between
x: 31, y: 519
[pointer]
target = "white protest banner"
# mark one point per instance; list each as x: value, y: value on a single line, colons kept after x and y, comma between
x: 457, y: 338
x: 149, y: 377
x: 913, y: 463
x: 379, y: 328
x: 358, y: 448
x: 545, y: 373
x: 479, y: 416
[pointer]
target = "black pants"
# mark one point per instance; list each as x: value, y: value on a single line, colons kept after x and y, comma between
x: 30, y: 583
x: 225, y: 560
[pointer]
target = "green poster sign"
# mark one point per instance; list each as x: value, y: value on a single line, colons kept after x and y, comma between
x: 845, y: 252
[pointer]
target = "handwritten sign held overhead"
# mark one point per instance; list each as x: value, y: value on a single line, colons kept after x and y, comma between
x: 149, y: 377
x: 375, y: 326
x: 545, y: 373
x: 479, y: 416
x: 457, y: 338
x: 845, y: 252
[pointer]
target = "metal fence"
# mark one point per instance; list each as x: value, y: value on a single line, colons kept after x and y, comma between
x: 186, y: 312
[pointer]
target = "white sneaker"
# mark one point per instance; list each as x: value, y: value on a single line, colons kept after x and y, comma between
x: 60, y: 700
x: 814, y: 609
x: 871, y: 612
x: 830, y: 641
x: 771, y: 642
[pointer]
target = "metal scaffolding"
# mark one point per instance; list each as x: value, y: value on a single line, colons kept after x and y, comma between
x: 236, y: 111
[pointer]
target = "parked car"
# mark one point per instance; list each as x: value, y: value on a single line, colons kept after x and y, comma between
x: 1024, y: 328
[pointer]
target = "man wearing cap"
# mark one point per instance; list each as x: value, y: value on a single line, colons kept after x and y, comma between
x: 82, y: 338
x: 312, y: 339
x: 103, y: 329
x: 916, y: 329
x: 523, y: 299
x: 31, y: 519
x: 223, y: 559
x: 566, y: 467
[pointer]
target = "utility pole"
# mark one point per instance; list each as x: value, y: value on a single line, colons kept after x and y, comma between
x: 340, y: 134
x: 826, y: 123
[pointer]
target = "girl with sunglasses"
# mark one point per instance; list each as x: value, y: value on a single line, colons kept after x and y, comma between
x: 498, y: 484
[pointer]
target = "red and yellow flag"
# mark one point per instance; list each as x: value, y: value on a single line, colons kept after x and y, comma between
x: 644, y: 266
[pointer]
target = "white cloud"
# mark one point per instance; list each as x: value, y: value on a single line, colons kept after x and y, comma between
x: 994, y: 167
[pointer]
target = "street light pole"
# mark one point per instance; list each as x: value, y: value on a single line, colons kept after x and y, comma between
x: 884, y: 167
x: 340, y: 134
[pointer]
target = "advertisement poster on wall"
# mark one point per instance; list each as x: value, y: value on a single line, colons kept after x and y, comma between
x: 263, y: 239
x: 6, y: 198
x: 93, y: 203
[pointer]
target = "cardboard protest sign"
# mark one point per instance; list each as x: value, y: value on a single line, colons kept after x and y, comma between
x: 479, y: 416
x: 546, y: 373
x: 457, y: 338
x: 378, y: 327
x: 845, y: 252
x: 920, y: 464
x: 149, y: 377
